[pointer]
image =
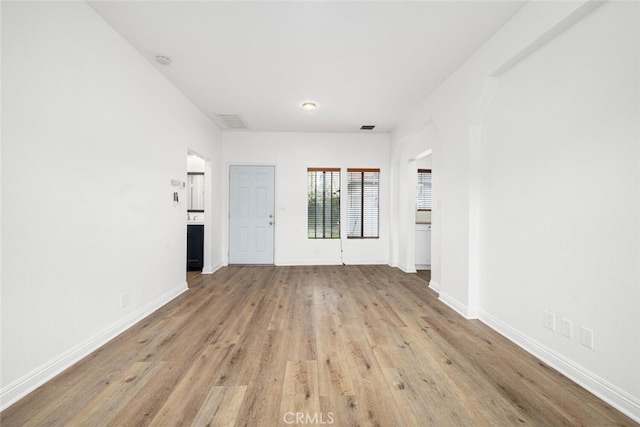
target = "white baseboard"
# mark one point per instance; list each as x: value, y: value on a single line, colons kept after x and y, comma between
x: 302, y: 263
x: 435, y: 286
x: 407, y: 269
x: 311, y: 262
x: 210, y: 269
x: 456, y: 305
x: 34, y: 379
x: 619, y: 399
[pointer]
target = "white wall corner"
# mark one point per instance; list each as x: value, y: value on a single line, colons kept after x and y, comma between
x: 210, y: 269
x: 45, y: 372
x: 459, y: 307
x: 619, y: 399
x: 435, y: 286
x: 407, y: 269
x: 476, y: 165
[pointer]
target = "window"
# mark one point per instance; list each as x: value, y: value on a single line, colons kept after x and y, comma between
x: 424, y: 190
x: 323, y: 194
x: 363, y: 214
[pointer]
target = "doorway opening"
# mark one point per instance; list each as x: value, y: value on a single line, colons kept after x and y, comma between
x: 195, y: 212
x: 423, y: 212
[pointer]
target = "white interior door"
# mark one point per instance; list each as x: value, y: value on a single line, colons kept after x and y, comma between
x: 251, y: 214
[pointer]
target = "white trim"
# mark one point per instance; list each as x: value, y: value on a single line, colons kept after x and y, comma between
x: 301, y: 263
x: 473, y: 312
x: 210, y: 269
x: 435, y: 286
x: 409, y: 270
x: 305, y: 262
x: 29, y: 382
x: 613, y: 395
x: 456, y: 305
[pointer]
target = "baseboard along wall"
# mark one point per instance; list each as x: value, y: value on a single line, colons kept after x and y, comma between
x: 34, y: 379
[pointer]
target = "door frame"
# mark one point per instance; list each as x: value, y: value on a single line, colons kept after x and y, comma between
x: 227, y: 208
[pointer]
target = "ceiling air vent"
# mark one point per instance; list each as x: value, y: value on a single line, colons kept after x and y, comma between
x: 232, y: 121
x: 367, y: 127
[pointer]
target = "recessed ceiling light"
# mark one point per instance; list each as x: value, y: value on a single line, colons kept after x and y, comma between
x: 163, y: 60
x: 309, y: 106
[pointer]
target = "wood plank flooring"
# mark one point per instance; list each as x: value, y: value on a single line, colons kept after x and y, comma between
x: 330, y: 345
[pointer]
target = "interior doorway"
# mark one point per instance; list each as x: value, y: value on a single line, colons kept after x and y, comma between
x: 423, y: 211
x: 196, y: 213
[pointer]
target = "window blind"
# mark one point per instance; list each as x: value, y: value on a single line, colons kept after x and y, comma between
x: 424, y: 195
x: 363, y: 193
x: 323, y: 208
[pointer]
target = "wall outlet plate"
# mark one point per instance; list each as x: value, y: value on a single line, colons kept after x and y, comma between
x: 586, y: 337
x: 566, y: 327
x: 549, y: 320
x: 124, y: 300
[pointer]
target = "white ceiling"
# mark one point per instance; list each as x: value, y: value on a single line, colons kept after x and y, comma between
x: 363, y: 63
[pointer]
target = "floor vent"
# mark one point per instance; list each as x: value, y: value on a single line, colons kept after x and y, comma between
x: 233, y: 121
x: 367, y: 127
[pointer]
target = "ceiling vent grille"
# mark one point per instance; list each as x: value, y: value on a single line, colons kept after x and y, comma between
x: 233, y: 121
x: 367, y: 127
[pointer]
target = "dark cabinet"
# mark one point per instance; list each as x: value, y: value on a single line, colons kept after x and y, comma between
x: 195, y: 247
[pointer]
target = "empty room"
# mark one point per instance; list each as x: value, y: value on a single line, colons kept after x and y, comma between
x: 280, y: 213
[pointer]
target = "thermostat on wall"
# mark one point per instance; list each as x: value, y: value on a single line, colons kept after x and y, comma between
x: 177, y: 183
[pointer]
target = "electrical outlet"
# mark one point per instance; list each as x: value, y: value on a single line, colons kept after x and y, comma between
x: 549, y: 320
x: 124, y: 300
x: 566, y: 327
x: 586, y: 337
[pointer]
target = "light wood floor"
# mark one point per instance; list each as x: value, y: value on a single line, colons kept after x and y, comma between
x: 337, y: 345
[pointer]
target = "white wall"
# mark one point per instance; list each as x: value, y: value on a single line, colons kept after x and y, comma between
x: 292, y: 154
x: 448, y: 114
x: 538, y: 188
x: 83, y: 221
x: 424, y: 162
x: 560, y: 214
x: 195, y: 163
